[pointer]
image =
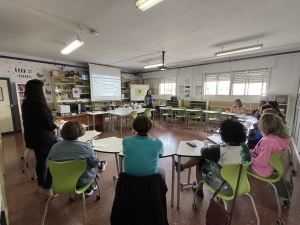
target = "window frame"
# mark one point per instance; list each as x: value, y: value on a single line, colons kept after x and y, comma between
x: 246, y: 83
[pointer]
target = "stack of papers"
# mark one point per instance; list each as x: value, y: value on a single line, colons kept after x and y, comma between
x: 99, y: 145
x: 216, y: 138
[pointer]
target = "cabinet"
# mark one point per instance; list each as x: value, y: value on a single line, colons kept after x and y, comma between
x: 283, y: 104
x: 63, y: 88
x: 199, y: 104
x: 125, y: 90
x: 20, y: 90
x: 175, y: 103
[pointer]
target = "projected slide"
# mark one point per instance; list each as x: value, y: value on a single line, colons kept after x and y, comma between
x: 106, y: 87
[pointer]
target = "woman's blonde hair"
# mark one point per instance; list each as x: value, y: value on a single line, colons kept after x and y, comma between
x: 239, y: 102
x: 272, y: 124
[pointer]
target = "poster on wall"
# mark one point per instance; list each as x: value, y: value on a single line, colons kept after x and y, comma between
x: 181, y: 89
x: 1, y: 94
x: 198, y: 90
x: 75, y: 93
x: 187, y: 93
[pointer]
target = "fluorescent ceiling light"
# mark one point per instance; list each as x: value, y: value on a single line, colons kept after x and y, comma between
x: 238, y: 50
x: 146, y: 4
x: 71, y: 47
x: 153, y: 65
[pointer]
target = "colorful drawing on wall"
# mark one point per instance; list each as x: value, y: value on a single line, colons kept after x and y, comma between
x: 47, y: 84
x: 47, y: 92
x: 139, y: 92
x: 1, y: 94
x: 39, y: 75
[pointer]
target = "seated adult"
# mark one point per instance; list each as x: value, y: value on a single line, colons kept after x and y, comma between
x: 238, y: 107
x: 275, y: 106
x: 274, y: 139
x: 70, y: 148
x: 260, y: 112
x: 260, y: 104
x: 213, y: 158
x: 254, y: 139
x: 141, y: 152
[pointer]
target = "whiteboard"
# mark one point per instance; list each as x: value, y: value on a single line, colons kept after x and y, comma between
x: 138, y: 91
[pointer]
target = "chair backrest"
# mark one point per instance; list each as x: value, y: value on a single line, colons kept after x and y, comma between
x: 217, y: 116
x: 231, y: 172
x: 133, y: 114
x: 274, y: 161
x: 66, y: 174
x: 197, y: 114
x: 169, y: 111
x: 140, y: 200
x: 148, y: 112
x: 182, y: 113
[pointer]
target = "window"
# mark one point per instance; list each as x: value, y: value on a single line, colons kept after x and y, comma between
x: 246, y: 82
x: 162, y: 86
x: 217, y: 84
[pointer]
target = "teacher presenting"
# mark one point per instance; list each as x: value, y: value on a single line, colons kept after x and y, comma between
x: 149, y: 99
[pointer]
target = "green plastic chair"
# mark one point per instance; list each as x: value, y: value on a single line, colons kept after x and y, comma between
x: 168, y: 114
x: 230, y: 173
x: 274, y: 161
x: 131, y: 117
x: 216, y: 118
x: 148, y: 112
x: 64, y: 179
x: 180, y: 115
x: 197, y: 116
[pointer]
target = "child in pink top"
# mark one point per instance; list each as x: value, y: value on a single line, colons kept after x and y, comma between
x: 274, y: 139
x: 238, y: 107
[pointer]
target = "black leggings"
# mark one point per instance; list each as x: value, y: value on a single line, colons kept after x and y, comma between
x: 43, y: 174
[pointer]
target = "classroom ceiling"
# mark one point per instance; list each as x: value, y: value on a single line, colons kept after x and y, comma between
x: 190, y: 31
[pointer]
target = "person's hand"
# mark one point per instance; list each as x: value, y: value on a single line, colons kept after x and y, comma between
x: 55, y: 132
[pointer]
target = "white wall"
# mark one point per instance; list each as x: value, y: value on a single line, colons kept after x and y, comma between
x: 34, y: 70
x: 285, y: 75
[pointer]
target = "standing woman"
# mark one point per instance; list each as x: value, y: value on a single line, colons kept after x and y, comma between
x: 39, y: 131
x: 149, y: 99
x: 238, y: 107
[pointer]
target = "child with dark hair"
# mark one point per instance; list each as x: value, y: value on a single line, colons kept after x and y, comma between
x: 141, y: 152
x: 70, y: 148
x: 214, y: 157
x: 275, y: 106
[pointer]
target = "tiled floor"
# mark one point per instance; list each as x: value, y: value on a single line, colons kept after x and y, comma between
x: 26, y: 206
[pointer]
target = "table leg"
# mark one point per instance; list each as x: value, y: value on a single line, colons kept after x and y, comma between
x: 153, y: 118
x: 115, y: 177
x: 178, y: 182
x: 121, y: 118
x: 94, y: 121
x: 121, y: 163
x: 88, y: 119
x: 104, y: 121
x: 173, y: 178
x: 188, y: 120
x: 160, y: 116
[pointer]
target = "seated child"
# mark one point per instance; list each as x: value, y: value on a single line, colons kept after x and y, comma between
x: 70, y: 148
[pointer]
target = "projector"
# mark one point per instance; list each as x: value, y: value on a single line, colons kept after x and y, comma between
x: 162, y: 68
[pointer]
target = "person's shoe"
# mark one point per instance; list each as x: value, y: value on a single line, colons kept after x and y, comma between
x: 94, y: 186
x: 102, y: 165
x: 176, y: 165
x: 47, y: 192
x: 199, y: 192
x: 89, y: 191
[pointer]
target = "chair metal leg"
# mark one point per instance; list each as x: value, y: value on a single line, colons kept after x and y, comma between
x: 84, y: 209
x: 195, y: 194
x: 255, y: 211
x: 277, y: 199
x: 46, y: 209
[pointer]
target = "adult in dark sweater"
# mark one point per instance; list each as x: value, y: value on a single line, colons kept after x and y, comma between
x: 39, y: 130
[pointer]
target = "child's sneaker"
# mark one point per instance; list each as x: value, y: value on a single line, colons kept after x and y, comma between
x: 102, y: 165
x: 89, y: 191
